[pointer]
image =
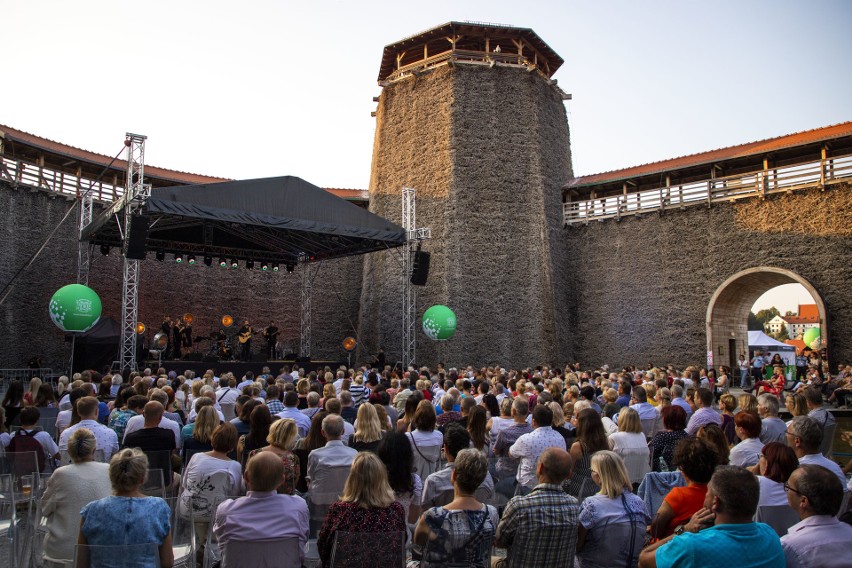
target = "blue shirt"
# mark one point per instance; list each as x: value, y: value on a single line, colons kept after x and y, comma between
x: 748, y: 545
x: 126, y: 520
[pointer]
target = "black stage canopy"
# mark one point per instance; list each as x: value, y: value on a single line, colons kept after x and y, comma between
x: 282, y: 220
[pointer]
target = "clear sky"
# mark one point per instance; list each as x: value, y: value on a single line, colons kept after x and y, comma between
x: 785, y: 298
x: 265, y: 88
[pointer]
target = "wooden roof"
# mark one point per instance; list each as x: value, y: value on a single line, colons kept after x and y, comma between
x: 746, y: 155
x: 471, y: 36
x: 18, y: 144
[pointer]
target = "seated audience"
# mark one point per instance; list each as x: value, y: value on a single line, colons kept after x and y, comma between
x: 69, y: 489
x: 368, y: 430
x: 612, y: 522
x: 281, y: 438
x: 395, y: 452
x: 804, y: 435
x: 630, y: 443
x: 722, y: 534
x: 665, y: 441
x: 367, y: 505
x: 772, y: 428
x: 461, y: 532
x: 128, y: 517
x: 747, y: 452
x: 591, y: 438
x: 439, y: 484
x: 777, y: 463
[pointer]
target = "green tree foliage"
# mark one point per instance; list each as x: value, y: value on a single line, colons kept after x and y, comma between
x: 763, y: 316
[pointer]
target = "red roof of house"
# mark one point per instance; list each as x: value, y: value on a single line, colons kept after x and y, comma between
x: 797, y: 343
x: 72, y: 152
x: 800, y: 319
x: 713, y: 156
x: 808, y: 310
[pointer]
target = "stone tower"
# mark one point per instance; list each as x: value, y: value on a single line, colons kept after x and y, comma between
x: 470, y: 117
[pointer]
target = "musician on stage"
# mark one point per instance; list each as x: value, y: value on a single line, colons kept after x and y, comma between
x: 271, y: 336
x: 245, y: 333
x: 166, y: 329
x: 177, y: 337
x: 187, y: 337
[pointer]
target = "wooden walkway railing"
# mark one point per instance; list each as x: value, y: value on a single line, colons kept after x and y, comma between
x: 819, y: 173
x: 20, y: 172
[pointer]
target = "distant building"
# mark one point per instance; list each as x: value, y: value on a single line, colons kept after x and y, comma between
x: 796, y: 326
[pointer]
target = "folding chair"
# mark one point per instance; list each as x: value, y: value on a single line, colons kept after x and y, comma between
x: 212, y: 552
x: 827, y: 440
x: 368, y: 550
x: 154, y: 485
x: 117, y: 556
x: 779, y: 517
x: 282, y: 553
x: 325, y: 489
x: 183, y: 537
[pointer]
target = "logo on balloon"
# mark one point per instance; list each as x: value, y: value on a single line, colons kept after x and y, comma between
x: 811, y: 337
x: 75, y: 308
x: 439, y: 323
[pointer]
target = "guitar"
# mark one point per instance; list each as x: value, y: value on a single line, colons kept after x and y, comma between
x: 243, y: 337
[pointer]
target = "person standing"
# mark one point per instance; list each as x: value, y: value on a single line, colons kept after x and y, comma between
x: 742, y: 365
x: 271, y: 336
x: 245, y: 333
x: 757, y: 365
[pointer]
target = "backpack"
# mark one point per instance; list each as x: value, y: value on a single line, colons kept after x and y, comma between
x: 26, y: 442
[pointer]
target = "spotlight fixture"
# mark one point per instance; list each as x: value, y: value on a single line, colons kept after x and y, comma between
x: 191, y: 259
x: 161, y: 255
x: 140, y: 328
x: 178, y: 258
x: 274, y: 267
x: 264, y: 266
x: 250, y: 264
x: 223, y: 263
x: 208, y: 260
x: 105, y: 250
x: 291, y: 268
x: 234, y: 263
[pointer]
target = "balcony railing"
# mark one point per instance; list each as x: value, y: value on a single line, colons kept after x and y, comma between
x: 20, y: 172
x: 760, y: 183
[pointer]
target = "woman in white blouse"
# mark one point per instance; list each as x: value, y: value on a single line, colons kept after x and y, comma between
x: 776, y: 465
x: 630, y: 443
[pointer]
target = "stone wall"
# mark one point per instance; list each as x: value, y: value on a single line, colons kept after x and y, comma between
x: 165, y: 288
x: 641, y: 286
x: 488, y: 152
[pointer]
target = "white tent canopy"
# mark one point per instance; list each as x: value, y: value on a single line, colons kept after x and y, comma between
x: 757, y: 340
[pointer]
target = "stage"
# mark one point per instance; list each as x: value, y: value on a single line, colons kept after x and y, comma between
x: 239, y: 368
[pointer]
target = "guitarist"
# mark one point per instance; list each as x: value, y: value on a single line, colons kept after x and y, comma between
x: 245, y: 333
x: 271, y: 336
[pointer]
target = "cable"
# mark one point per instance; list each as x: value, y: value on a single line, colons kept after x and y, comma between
x: 7, y: 289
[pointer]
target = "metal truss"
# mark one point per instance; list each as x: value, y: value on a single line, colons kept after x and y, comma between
x: 309, y: 272
x: 135, y: 195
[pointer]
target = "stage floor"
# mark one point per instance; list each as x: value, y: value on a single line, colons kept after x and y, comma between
x: 240, y: 368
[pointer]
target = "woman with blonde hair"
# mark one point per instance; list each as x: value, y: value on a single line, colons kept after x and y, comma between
x: 69, y: 489
x: 30, y: 395
x: 747, y: 403
x: 630, y: 443
x: 368, y: 429
x: 282, y: 437
x: 561, y: 425
x: 206, y: 422
x: 613, y: 515
x: 796, y: 405
x: 128, y: 517
x: 367, y: 505
x: 328, y: 392
x: 302, y: 388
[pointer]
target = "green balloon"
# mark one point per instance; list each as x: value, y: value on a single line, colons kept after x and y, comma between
x: 75, y: 308
x: 439, y: 323
x: 811, y: 337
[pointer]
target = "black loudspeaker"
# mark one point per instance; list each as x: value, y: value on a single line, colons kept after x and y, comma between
x: 420, y: 269
x: 134, y: 243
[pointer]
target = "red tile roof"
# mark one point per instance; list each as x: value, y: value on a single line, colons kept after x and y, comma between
x: 797, y: 343
x: 800, y: 320
x: 53, y: 147
x: 808, y: 310
x: 713, y: 156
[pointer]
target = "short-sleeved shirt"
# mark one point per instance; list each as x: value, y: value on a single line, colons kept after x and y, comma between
x: 126, y: 520
x: 529, y: 447
x: 463, y: 537
x: 151, y: 440
x: 684, y: 501
x: 748, y: 545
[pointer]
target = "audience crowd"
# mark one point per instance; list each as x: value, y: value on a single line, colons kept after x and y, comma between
x: 443, y: 467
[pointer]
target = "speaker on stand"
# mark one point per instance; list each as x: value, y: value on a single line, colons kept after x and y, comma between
x: 420, y: 268
x: 134, y: 241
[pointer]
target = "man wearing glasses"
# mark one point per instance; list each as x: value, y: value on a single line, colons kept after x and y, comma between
x: 819, y: 539
x: 804, y: 435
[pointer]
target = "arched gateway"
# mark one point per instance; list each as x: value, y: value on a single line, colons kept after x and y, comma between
x: 727, y: 312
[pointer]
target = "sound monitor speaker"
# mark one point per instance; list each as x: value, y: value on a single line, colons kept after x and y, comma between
x: 420, y: 269
x: 134, y: 242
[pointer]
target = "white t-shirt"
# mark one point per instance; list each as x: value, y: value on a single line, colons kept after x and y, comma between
x: 201, y: 465
x: 771, y: 493
x: 433, y: 438
x: 497, y: 424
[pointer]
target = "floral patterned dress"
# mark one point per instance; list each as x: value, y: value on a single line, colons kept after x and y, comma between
x: 291, y: 470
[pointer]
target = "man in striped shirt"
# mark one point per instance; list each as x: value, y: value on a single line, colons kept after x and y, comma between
x: 540, y: 529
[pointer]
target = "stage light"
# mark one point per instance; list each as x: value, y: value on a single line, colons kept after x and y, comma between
x: 234, y: 263
x: 105, y: 250
x: 191, y: 259
x: 274, y: 267
x: 250, y: 264
x: 178, y: 258
x: 264, y: 266
x: 161, y: 255
x: 223, y: 263
x: 140, y: 328
x: 208, y: 260
x: 291, y: 268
